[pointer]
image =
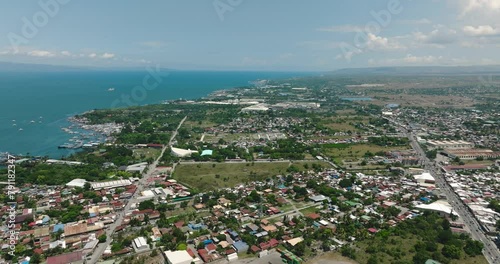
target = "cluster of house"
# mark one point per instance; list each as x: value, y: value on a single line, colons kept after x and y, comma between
x: 475, y: 190
x: 451, y: 124
x: 34, y: 227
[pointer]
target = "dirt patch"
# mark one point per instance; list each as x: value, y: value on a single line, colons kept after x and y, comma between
x: 331, y: 258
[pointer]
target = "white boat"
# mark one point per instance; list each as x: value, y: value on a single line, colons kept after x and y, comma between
x: 20, y: 129
x: 111, y: 89
x: 32, y: 121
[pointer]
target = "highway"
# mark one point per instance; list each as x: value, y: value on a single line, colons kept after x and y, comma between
x: 99, y: 250
x: 490, y: 251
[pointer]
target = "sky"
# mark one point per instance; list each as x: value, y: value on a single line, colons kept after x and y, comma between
x: 277, y: 35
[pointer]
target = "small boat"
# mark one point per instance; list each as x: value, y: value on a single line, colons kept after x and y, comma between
x: 111, y: 89
x: 14, y: 124
x: 20, y: 129
x: 13, y: 120
x: 32, y: 121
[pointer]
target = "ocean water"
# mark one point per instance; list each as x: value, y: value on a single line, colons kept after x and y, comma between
x: 49, y: 98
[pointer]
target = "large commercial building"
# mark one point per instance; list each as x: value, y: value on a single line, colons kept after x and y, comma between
x: 178, y: 257
x: 181, y: 153
x: 110, y: 184
x: 449, y: 144
x: 468, y: 154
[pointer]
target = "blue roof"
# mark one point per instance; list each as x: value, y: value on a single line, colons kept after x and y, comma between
x: 206, y: 152
x: 232, y: 233
x: 58, y: 227
x: 240, y: 246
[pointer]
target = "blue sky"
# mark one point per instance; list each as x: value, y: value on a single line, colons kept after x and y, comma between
x: 251, y: 34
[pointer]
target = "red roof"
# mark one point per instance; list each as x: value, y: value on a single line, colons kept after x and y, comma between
x: 372, y: 230
x: 179, y: 224
x: 66, y: 258
x: 313, y: 216
x: 211, y: 247
x: 254, y: 248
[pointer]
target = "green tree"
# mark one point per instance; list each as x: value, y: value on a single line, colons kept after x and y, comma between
x: 451, y: 251
x: 102, y: 238
x: 473, y: 248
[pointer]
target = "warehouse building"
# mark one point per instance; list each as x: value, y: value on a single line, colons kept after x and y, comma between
x: 449, y: 144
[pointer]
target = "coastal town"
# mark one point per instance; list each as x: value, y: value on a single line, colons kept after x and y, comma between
x: 280, y: 172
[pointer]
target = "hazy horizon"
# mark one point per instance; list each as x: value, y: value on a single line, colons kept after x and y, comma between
x: 251, y: 35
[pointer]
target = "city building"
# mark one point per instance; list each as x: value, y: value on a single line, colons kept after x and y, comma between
x: 178, y: 257
x: 449, y: 144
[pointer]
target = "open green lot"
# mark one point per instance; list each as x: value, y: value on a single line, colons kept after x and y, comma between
x: 354, y: 152
x: 210, y: 176
x: 147, y: 153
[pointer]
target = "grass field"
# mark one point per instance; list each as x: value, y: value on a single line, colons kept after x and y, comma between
x: 345, y: 123
x: 210, y: 176
x: 354, y: 152
x: 147, y: 152
x: 300, y: 164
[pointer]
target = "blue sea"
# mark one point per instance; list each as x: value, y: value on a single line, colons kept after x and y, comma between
x: 35, y: 106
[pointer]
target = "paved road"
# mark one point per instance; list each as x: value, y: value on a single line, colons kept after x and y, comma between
x: 140, y: 186
x: 490, y: 251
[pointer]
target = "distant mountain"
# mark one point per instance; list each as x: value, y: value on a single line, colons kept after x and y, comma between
x: 421, y: 70
x: 25, y: 67
x: 28, y: 67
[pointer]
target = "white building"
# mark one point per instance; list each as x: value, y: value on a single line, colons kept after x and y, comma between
x: 140, y: 244
x: 178, y: 257
x: 178, y: 152
x: 255, y: 108
x: 110, y: 184
x: 77, y: 183
x: 450, y: 144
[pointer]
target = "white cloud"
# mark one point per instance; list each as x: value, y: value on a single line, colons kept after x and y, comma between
x: 107, y: 55
x: 480, y: 6
x: 440, y: 36
x: 421, y: 21
x: 342, y: 28
x: 422, y: 59
x: 375, y: 42
x: 92, y: 55
x: 479, y: 31
x: 41, y: 53
x: 66, y: 53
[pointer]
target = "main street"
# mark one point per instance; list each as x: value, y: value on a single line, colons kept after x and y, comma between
x: 490, y: 251
x: 101, y: 247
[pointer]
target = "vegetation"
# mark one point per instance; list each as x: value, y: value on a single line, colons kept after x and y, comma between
x: 416, y: 240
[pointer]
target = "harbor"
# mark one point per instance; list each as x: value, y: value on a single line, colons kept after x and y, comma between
x: 87, y: 136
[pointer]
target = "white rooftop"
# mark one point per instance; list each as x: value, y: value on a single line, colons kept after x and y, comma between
x: 110, y: 184
x: 178, y: 257
x: 77, y: 183
x: 438, y: 206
